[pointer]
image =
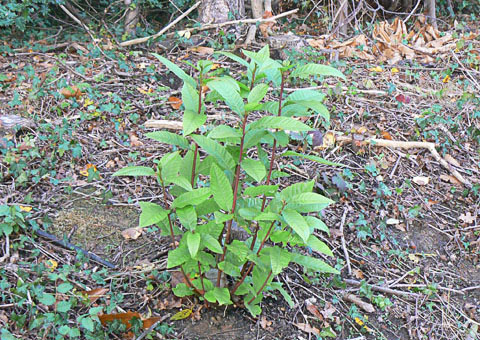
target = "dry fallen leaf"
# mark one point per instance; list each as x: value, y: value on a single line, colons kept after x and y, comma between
x: 94, y: 294
x: 203, y: 50
x: 183, y: 314
x: 467, y: 218
x: 421, y: 180
x: 450, y: 179
x: 132, y: 233
x: 122, y: 317
x: 358, y: 274
x: 312, y: 308
x: 71, y: 91
x: 265, y: 323
x: 175, y: 102
x: 451, y: 160
x: 307, y: 328
x: 134, y: 140
x: 376, y: 69
x: 386, y: 135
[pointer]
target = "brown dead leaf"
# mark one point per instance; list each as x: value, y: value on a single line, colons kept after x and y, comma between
x: 203, y: 50
x: 421, y: 180
x: 451, y: 160
x: 386, y: 135
x: 266, y: 27
x: 467, y: 218
x: 122, y: 317
x: 328, y: 311
x: 94, y: 294
x: 358, y: 274
x: 312, y: 308
x: 307, y: 328
x: 110, y: 164
x: 450, y: 179
x: 367, y: 307
x: 265, y: 323
x: 70, y: 92
x: 132, y: 233
x: 175, y: 102
x: 134, y: 140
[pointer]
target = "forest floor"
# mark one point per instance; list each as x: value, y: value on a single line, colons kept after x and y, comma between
x: 410, y: 228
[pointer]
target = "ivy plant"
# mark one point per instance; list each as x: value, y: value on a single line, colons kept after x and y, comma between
x: 221, y: 181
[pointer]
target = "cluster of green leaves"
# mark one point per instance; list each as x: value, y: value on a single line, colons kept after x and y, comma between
x: 230, y: 188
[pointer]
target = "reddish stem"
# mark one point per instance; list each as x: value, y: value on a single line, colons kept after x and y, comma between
x: 261, y: 288
x: 235, y: 194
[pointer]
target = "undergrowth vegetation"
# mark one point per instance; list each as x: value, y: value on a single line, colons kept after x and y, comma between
x: 237, y: 173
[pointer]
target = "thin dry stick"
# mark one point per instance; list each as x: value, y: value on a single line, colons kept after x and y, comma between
x: 243, y: 21
x: 409, y: 145
x: 385, y: 289
x: 344, y: 244
x: 166, y: 28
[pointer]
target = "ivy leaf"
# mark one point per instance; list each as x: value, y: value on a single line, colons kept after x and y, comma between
x: 88, y: 324
x: 151, y: 213
x: 193, y: 197
x: 135, y: 171
x: 64, y: 287
x: 254, y: 169
x: 47, y: 299
x: 221, y: 188
x: 297, y: 223
x: 193, y: 243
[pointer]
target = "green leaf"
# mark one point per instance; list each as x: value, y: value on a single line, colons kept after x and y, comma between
x: 135, y: 171
x: 309, y: 198
x: 192, y: 121
x: 267, y: 190
x: 267, y: 216
x: 254, y: 310
x: 88, y: 324
x: 176, y: 70
x: 221, y: 188
x: 182, y: 290
x: 193, y: 197
x: 218, y: 151
x: 6, y: 335
x: 279, y: 259
x: 190, y: 98
x: 235, y: 58
x: 316, y: 107
x: 224, y: 131
x: 297, y: 222
x: 178, y: 256
x: 296, y: 189
x: 286, y: 296
x: 282, y: 123
x: 239, y: 249
x: 64, y: 306
x: 254, y: 169
x: 253, y: 137
x: 169, y: 138
x: 306, y: 94
x: 193, y: 243
x: 308, y: 70
x: 222, y: 295
x: 257, y: 93
x: 313, y: 264
x: 318, y: 246
x: 64, y: 287
x: 312, y: 158
x: 47, y: 299
x: 221, y: 217
x: 317, y: 223
x: 229, y: 93
x: 151, y: 213
x: 187, y: 216
x: 212, y: 244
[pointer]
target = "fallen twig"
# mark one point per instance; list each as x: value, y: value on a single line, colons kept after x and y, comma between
x: 384, y: 289
x: 344, y: 244
x: 409, y: 145
x: 71, y: 246
x: 163, y: 30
